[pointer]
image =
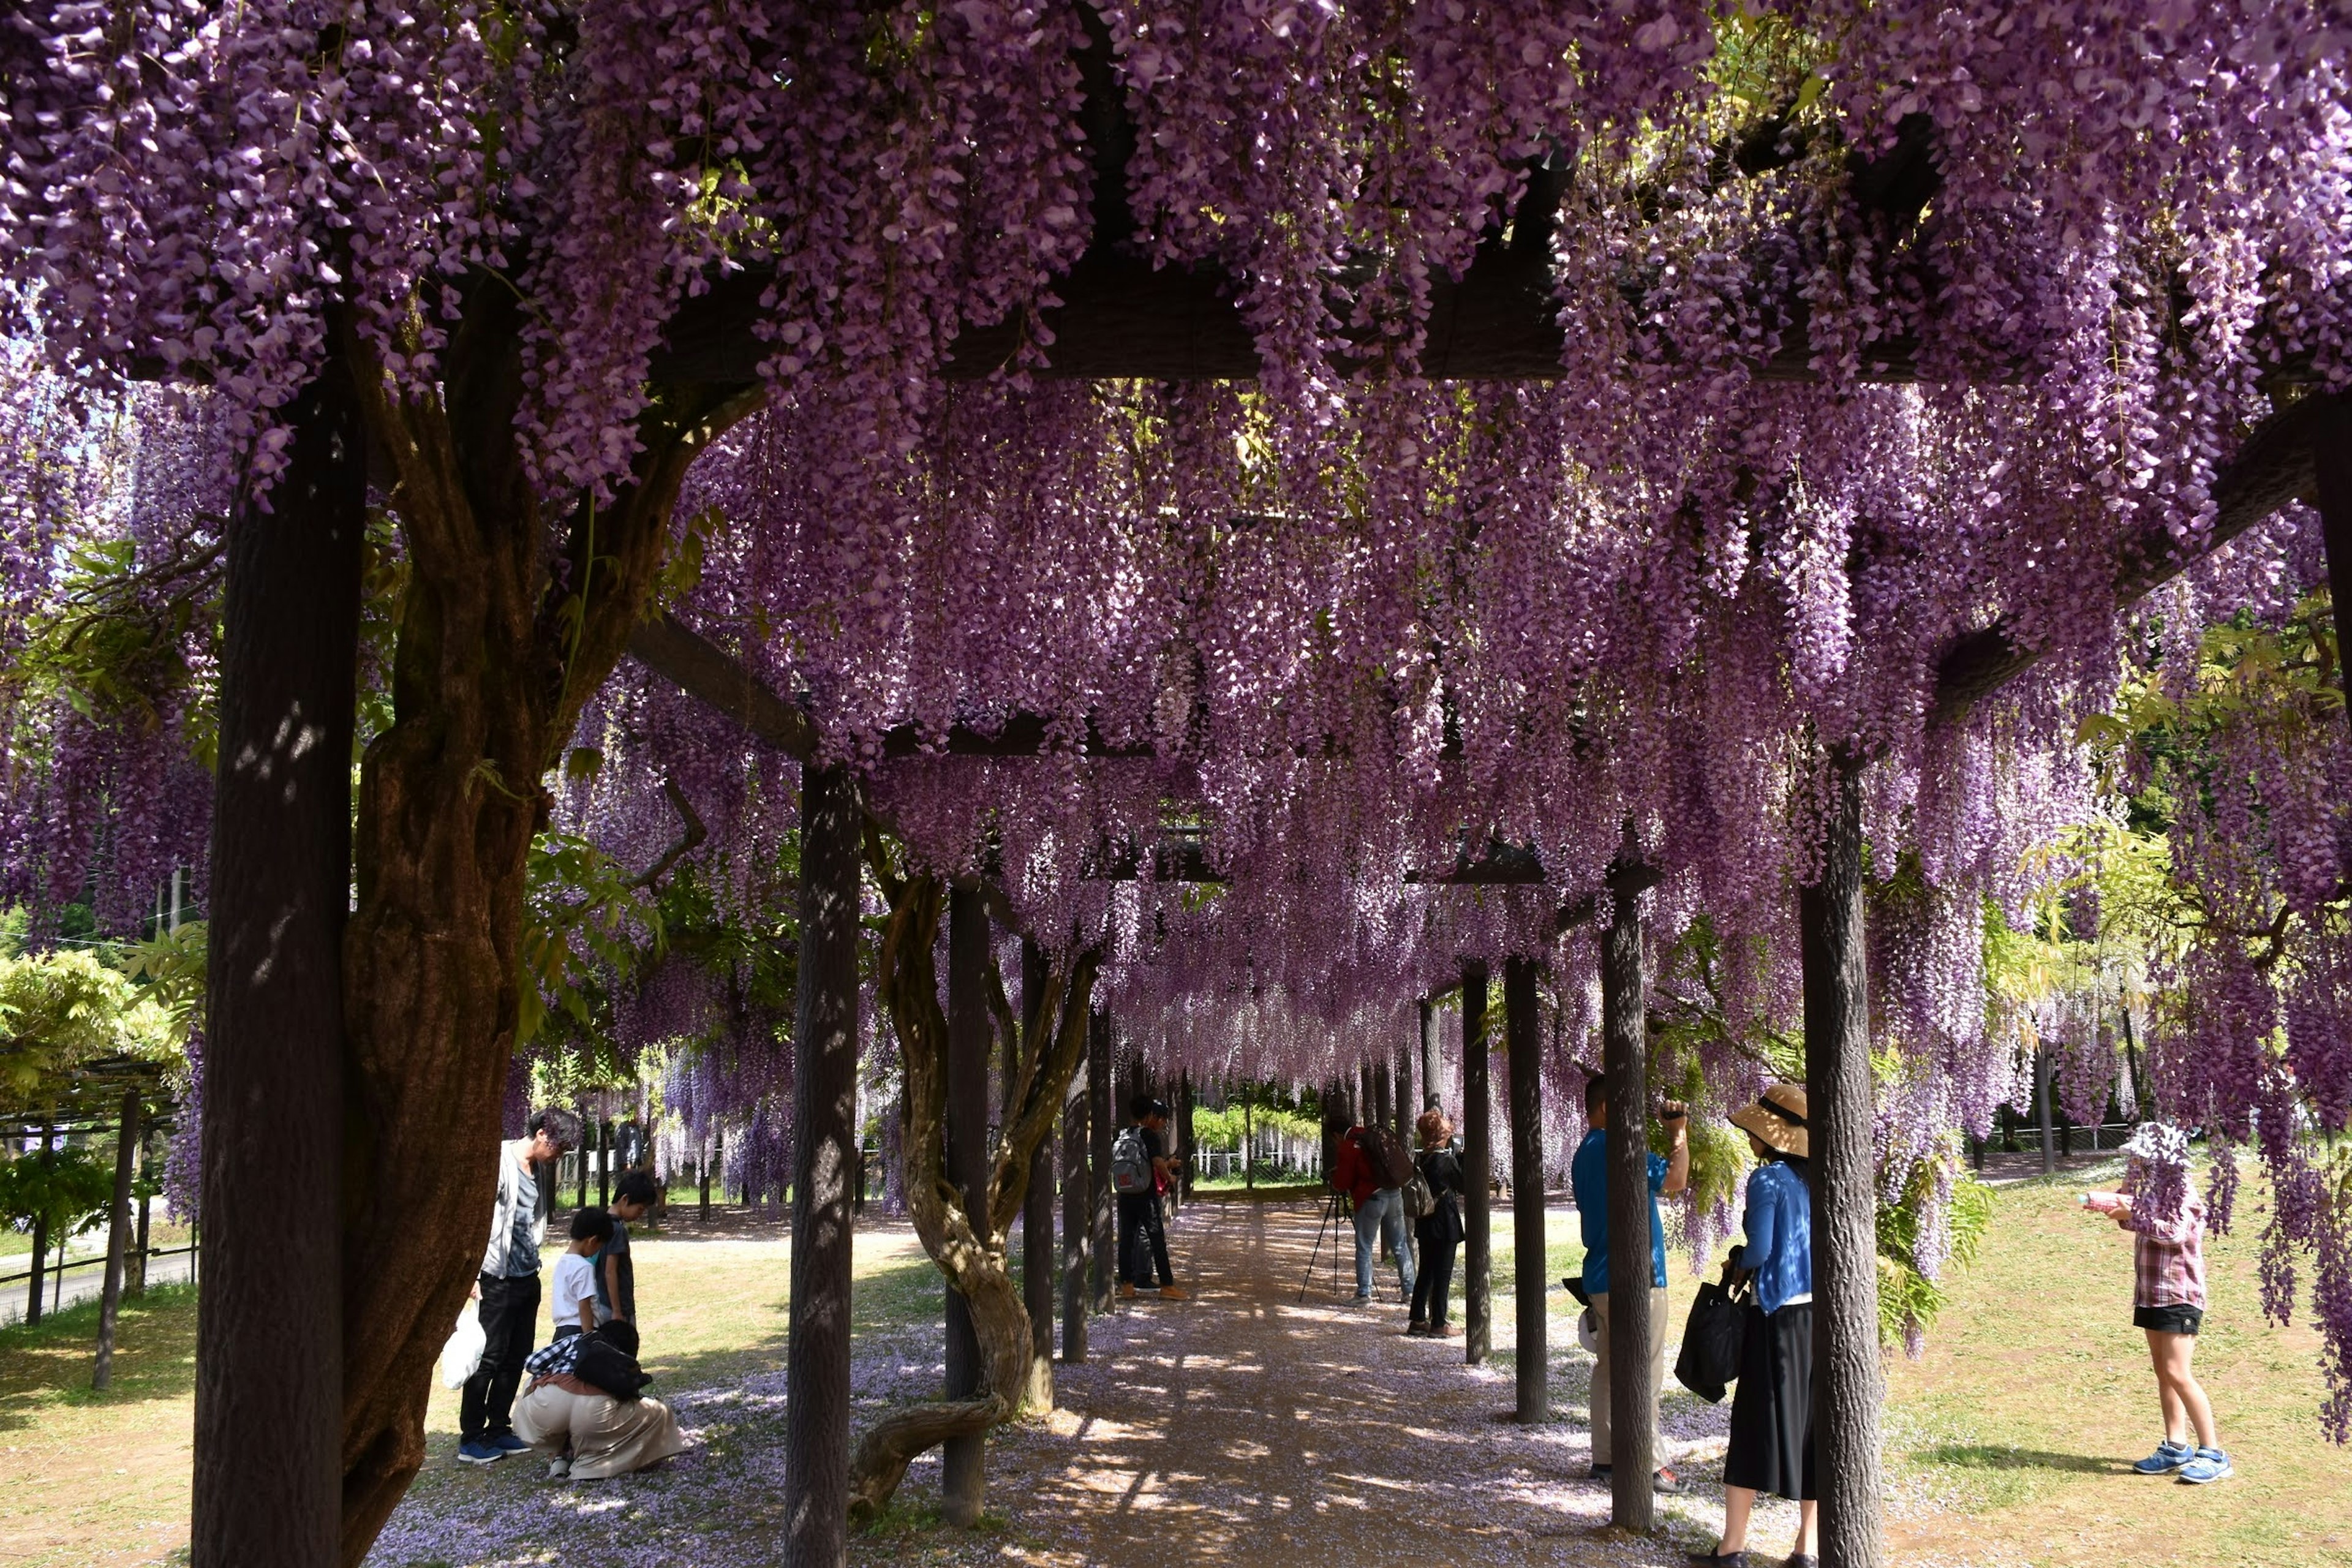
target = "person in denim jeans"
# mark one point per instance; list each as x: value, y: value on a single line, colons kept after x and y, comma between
x: 1378, y: 1207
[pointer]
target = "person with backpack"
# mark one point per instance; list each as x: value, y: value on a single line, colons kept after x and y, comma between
x: 1139, y: 1174
x: 586, y: 1408
x: 1373, y: 1168
x: 1432, y: 1201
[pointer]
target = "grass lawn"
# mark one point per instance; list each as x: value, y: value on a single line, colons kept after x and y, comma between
x: 2006, y: 1442
x: 2035, y: 1394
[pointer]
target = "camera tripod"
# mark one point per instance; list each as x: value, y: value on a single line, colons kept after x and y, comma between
x: 1334, y: 1207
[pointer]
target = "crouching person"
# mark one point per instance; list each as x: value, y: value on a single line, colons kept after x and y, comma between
x: 586, y: 1407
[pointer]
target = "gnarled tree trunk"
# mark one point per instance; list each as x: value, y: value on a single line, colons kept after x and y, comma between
x: 968, y: 1249
x: 500, y: 644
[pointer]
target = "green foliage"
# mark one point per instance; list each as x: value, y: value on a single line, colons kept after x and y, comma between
x: 69, y: 1188
x: 1909, y: 1302
x: 171, y: 966
x: 1223, y: 1128
x: 62, y: 1011
x: 586, y: 919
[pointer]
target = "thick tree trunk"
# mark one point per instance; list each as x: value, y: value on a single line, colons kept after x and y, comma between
x: 1100, y: 1126
x: 1433, y: 1057
x: 118, y: 1237
x: 962, y: 1478
x: 1037, y: 1203
x: 1847, y: 1378
x: 1624, y: 1049
x: 500, y: 643
x: 2331, y: 452
x: 1477, y: 1173
x: 966, y: 1241
x: 272, y: 1339
x: 825, y: 1139
x: 1078, y: 1216
x: 1532, y: 1279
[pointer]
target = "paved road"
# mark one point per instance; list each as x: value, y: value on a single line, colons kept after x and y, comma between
x: 81, y: 1284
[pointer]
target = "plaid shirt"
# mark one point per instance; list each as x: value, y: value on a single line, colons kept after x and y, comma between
x: 2169, y: 1258
x: 556, y: 1360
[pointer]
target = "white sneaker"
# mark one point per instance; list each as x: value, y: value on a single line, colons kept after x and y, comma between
x: 559, y: 1469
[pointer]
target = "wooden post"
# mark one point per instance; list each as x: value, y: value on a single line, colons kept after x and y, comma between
x: 1624, y: 1050
x: 135, y: 1281
x: 1407, y: 1107
x: 118, y: 1236
x: 1477, y: 1173
x: 704, y: 1213
x: 579, y: 1157
x: 1529, y: 1273
x: 1099, y: 1129
x: 1383, y: 1110
x: 1185, y: 1147
x: 270, y: 1342
x: 2331, y: 453
x: 1249, y: 1142
x: 1038, y: 1200
x: 824, y: 1101
x: 961, y: 1459
x: 1078, y: 1226
x: 34, y: 1305
x: 1846, y: 1375
x: 2041, y: 1105
x: 1433, y: 1061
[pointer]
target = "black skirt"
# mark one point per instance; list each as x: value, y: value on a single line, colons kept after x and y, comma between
x: 1772, y: 1415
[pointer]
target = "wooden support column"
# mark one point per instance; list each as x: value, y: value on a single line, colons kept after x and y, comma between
x: 963, y: 1479
x: 118, y: 1237
x: 1037, y: 1201
x: 1077, y: 1205
x: 270, y: 1342
x: 824, y: 1105
x: 1407, y: 1106
x: 1531, y: 1279
x: 2331, y: 453
x: 1624, y: 1005
x: 1099, y: 1129
x: 1433, y: 1059
x: 33, y: 1303
x: 1184, y: 1136
x: 1846, y: 1377
x: 1383, y: 1107
x: 134, y: 1280
x: 1477, y: 1173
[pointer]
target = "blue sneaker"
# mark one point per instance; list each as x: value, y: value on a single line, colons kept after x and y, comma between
x: 508, y: 1443
x: 2168, y: 1456
x: 2209, y: 1465
x: 479, y: 1454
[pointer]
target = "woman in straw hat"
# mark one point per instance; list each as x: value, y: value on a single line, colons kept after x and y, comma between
x: 1772, y: 1415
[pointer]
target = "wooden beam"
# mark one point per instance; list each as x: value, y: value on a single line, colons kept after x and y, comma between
x: 2275, y: 467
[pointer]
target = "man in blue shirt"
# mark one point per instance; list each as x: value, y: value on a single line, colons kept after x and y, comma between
x: 1589, y: 1175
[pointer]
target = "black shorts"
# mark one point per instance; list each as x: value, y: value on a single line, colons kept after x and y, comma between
x: 2174, y: 1320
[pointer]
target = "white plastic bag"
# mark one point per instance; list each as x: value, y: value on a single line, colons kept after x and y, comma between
x: 462, y: 1354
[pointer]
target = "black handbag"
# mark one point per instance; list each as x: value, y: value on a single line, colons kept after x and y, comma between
x: 1709, y: 1362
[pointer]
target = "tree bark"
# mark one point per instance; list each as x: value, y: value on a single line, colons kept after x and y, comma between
x: 824, y: 1107
x: 2331, y: 452
x: 118, y: 1235
x: 1529, y: 1273
x: 271, y: 1342
x: 962, y: 1479
x: 135, y: 1280
x: 966, y: 1242
x: 1477, y: 1173
x: 1078, y: 1216
x: 1407, y: 1107
x: 1433, y: 1057
x: 1100, y: 1128
x: 1184, y: 1136
x: 513, y: 613
x: 1624, y: 1045
x: 1848, y: 1380
x: 1037, y: 1204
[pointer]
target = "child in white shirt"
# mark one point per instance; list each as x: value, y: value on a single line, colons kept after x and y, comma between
x: 574, y: 1299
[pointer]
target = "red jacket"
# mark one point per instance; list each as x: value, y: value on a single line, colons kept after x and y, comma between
x: 1352, y: 1171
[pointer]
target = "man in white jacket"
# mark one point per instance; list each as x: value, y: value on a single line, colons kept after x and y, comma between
x: 509, y: 1288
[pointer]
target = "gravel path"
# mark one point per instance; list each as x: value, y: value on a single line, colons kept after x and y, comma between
x: 1245, y: 1422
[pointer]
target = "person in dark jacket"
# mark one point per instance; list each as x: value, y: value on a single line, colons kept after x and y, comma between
x: 1772, y: 1415
x: 1439, y: 1231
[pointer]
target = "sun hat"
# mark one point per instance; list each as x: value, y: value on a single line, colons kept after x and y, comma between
x: 1778, y: 1120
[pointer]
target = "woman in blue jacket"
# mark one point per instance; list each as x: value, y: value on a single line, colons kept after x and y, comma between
x: 1772, y: 1415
